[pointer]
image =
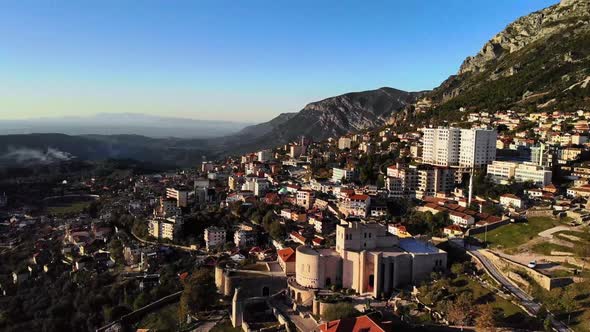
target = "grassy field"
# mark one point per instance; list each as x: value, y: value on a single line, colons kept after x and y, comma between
x: 545, y: 248
x: 514, y: 235
x: 67, y: 208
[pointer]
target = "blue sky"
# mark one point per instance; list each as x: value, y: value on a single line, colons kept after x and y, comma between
x: 230, y: 60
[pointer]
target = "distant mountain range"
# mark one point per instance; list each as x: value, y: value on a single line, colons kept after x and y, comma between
x: 539, y: 62
x: 123, y: 124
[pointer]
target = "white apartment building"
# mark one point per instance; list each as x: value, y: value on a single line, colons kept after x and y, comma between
x: 214, y: 236
x: 342, y: 174
x: 537, y: 174
x: 448, y: 146
x: 478, y: 147
x: 503, y: 171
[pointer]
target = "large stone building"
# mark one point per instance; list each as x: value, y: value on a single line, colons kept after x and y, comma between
x: 367, y: 259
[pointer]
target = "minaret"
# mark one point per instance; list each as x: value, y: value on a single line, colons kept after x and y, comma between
x: 470, y: 189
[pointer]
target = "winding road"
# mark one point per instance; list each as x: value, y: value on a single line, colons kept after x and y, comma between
x: 527, y: 301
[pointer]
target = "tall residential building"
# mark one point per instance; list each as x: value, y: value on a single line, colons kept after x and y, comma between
x: 448, y: 146
x: 477, y: 147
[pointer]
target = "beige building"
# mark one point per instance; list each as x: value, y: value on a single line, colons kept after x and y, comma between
x: 179, y: 194
x: 367, y: 259
x: 164, y: 228
x: 305, y: 198
x: 344, y: 143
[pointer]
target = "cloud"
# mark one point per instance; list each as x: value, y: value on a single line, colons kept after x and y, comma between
x: 36, y: 156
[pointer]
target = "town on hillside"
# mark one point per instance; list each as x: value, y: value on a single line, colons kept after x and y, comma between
x: 475, y: 225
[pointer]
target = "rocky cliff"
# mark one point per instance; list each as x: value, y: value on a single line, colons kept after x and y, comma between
x: 539, y: 61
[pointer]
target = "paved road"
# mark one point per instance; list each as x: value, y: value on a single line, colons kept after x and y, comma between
x: 525, y: 299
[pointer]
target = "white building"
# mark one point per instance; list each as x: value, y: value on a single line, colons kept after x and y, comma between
x: 342, y: 174
x: 344, y: 143
x: 448, y: 146
x: 214, y: 236
x: 536, y: 174
x: 264, y: 155
x: 510, y: 200
x: 503, y: 171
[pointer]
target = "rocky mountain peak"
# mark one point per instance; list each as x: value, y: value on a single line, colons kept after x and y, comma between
x: 528, y: 29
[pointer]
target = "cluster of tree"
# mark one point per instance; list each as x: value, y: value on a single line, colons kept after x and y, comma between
x: 484, y: 186
x: 199, y: 293
x: 426, y: 223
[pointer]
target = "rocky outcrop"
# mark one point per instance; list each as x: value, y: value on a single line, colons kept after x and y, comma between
x: 528, y: 29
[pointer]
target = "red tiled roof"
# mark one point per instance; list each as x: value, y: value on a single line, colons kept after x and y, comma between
x: 287, y: 255
x: 357, y: 324
x: 298, y: 236
x: 359, y: 197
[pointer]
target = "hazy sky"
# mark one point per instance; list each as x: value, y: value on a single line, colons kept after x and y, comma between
x: 240, y: 60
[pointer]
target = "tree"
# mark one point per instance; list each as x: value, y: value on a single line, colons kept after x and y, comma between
x: 458, y: 311
x: 198, y: 294
x: 485, y: 321
x: 116, y: 250
x: 568, y: 303
x: 277, y: 231
x: 339, y: 311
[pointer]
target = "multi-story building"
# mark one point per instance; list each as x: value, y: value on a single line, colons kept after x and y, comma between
x: 448, y: 146
x: 344, y: 143
x: 165, y: 228
x: 533, y: 173
x: 419, y: 181
x: 214, y: 236
x: 441, y: 146
x: 305, y: 198
x: 343, y: 175
x: 355, y: 205
x: 261, y: 187
x: 432, y: 180
x: 264, y: 155
x: 245, y: 237
x: 180, y: 194
x: 504, y: 171
x: 478, y: 147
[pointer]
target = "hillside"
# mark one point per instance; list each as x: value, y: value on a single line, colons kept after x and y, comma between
x: 320, y: 120
x: 539, y: 62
